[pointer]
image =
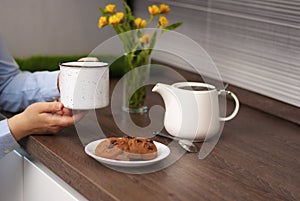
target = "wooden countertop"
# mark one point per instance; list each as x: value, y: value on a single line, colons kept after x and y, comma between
x: 256, y: 158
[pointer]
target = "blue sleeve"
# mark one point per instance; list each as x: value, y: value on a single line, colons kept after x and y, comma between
x: 20, y: 89
x: 7, y: 141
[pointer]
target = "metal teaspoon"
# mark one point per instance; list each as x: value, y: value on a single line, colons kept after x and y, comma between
x: 185, y: 144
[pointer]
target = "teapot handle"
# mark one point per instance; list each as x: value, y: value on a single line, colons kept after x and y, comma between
x: 237, y: 105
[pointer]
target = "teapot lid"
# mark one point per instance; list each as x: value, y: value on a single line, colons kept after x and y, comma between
x: 93, y: 64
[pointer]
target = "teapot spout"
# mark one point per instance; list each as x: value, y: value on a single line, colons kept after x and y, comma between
x: 173, y: 114
x: 166, y: 92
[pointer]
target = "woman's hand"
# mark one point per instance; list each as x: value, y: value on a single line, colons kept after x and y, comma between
x: 41, y: 118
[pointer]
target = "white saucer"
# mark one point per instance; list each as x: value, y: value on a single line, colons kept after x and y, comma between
x: 162, y: 152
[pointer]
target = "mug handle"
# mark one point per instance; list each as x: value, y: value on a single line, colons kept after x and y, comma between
x: 237, y: 105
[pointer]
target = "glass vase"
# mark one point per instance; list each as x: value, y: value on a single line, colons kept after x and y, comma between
x: 137, y: 73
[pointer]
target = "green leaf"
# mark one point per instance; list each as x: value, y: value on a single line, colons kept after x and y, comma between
x: 117, y: 29
x: 128, y: 12
x: 102, y: 11
x: 173, y: 26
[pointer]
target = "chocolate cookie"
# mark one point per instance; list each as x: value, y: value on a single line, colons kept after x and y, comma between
x: 127, y: 148
x: 110, y: 148
x: 142, y: 148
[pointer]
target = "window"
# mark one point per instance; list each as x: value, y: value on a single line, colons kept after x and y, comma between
x: 254, y: 43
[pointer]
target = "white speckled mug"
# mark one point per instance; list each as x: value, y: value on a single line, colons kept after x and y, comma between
x: 84, y: 85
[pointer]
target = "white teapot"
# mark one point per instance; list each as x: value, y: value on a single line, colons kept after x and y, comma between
x: 192, y: 109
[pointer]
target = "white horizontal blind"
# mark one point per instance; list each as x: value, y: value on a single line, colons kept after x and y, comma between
x: 254, y: 43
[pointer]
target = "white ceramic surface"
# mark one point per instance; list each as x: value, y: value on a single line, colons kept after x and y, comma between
x: 162, y: 152
x: 84, y: 85
x: 40, y: 183
x: 191, y: 114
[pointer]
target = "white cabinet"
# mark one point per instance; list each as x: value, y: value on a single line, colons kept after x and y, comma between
x: 42, y: 184
x: 23, y: 179
x: 11, y: 177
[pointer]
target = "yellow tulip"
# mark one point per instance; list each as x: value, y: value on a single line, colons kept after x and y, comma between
x: 164, y: 9
x: 153, y: 10
x: 145, y: 39
x: 163, y: 21
x: 140, y: 23
x: 114, y: 20
x: 120, y: 15
x: 102, y: 22
x: 110, y: 8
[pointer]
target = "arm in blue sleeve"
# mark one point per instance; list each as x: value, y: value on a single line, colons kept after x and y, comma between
x: 20, y: 89
x: 26, y: 88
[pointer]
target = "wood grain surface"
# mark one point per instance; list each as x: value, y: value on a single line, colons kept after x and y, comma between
x: 256, y: 158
